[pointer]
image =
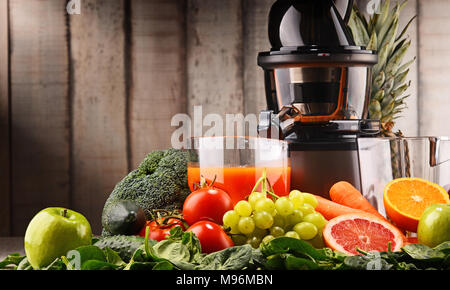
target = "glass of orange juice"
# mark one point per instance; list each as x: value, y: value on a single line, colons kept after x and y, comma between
x: 236, y: 163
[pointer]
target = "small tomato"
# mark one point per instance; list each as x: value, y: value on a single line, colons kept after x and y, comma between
x: 160, y: 229
x: 212, y: 237
x: 207, y: 203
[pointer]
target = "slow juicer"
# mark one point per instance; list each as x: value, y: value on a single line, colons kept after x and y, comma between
x: 317, y: 89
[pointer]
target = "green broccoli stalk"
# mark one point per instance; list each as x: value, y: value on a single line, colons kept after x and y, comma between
x: 160, y: 182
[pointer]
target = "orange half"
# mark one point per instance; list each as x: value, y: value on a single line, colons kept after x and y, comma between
x: 405, y: 199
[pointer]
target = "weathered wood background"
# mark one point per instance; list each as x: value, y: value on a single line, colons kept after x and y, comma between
x: 83, y: 98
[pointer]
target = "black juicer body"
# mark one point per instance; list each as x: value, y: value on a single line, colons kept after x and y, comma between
x: 317, y: 88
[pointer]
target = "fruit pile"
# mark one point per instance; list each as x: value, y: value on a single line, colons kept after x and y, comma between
x: 419, y: 206
x: 265, y: 216
x: 210, y: 226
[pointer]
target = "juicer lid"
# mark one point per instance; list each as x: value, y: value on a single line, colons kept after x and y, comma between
x: 288, y: 56
x: 311, y: 31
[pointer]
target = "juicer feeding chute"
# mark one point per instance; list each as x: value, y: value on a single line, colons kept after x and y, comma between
x: 317, y: 90
x: 314, y: 65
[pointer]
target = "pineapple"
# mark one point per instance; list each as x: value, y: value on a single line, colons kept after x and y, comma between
x: 380, y: 32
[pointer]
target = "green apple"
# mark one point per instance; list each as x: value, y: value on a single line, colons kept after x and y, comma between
x: 434, y: 225
x: 52, y: 233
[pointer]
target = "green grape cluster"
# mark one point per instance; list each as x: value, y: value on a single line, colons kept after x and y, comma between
x: 265, y: 216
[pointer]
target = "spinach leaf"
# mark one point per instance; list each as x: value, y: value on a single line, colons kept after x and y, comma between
x: 423, y: 253
x: 189, y: 240
x: 234, y: 258
x: 443, y: 248
x: 11, y: 260
x: 76, y: 258
x: 56, y: 265
x: 98, y: 265
x: 24, y: 265
x: 293, y: 246
x: 113, y: 257
x: 372, y: 261
x: 163, y: 265
x: 295, y: 263
x: 172, y: 251
x: 275, y: 262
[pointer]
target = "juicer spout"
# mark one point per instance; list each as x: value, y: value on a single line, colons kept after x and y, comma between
x: 280, y: 125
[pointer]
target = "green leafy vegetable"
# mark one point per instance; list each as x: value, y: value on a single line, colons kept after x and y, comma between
x: 160, y: 182
x: 12, y: 260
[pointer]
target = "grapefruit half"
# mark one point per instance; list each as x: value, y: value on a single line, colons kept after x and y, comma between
x: 349, y: 232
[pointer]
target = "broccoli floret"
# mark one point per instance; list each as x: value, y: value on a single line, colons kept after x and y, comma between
x: 160, y: 182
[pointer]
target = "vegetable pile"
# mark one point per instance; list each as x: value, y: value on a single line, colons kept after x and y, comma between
x: 160, y: 182
x: 182, y: 251
x: 152, y: 221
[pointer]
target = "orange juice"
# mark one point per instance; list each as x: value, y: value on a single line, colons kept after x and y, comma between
x: 238, y: 182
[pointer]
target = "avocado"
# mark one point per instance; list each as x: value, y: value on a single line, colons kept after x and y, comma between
x: 123, y: 217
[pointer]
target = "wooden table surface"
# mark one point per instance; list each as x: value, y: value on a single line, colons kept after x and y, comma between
x: 10, y: 245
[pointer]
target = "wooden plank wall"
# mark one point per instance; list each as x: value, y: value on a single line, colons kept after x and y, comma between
x: 83, y: 98
x: 39, y: 109
x: 214, y: 56
x: 434, y: 62
x: 158, y: 73
x: 99, y: 104
x: 5, y: 197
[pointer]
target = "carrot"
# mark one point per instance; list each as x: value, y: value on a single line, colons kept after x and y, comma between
x: 346, y: 194
x: 330, y: 209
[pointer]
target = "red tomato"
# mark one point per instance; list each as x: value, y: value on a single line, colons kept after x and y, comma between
x: 159, y: 230
x: 212, y: 237
x: 207, y: 203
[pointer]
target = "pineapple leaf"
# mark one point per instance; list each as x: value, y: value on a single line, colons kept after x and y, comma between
x: 406, y: 28
x: 360, y: 34
x: 399, y: 91
x: 388, y: 109
x: 387, y: 101
x: 381, y: 18
x: 379, y: 95
x: 381, y: 32
x: 406, y: 65
x: 394, y: 14
x: 396, y: 59
x: 373, y: 42
x: 400, y: 78
x: 375, y: 110
x: 379, y: 81
x: 389, y: 85
x: 390, y: 36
